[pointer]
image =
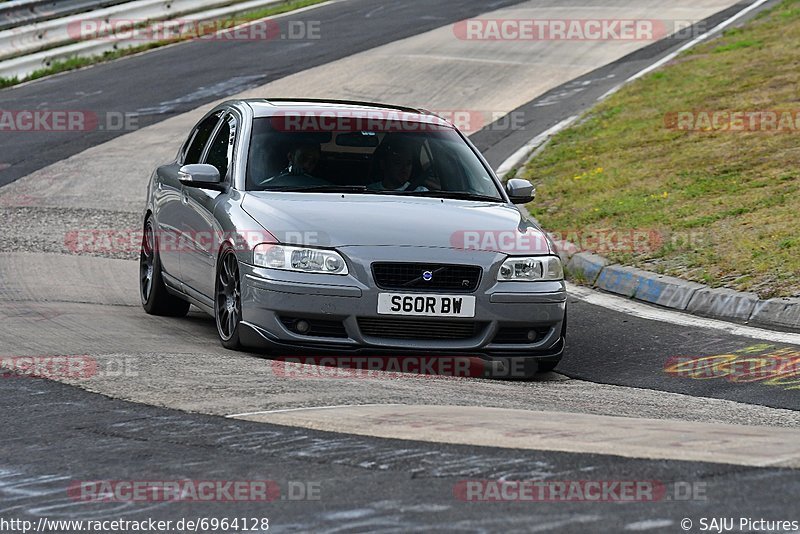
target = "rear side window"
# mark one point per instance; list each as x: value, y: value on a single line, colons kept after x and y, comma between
x: 199, y: 139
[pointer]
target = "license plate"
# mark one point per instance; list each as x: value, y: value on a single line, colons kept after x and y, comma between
x: 426, y: 305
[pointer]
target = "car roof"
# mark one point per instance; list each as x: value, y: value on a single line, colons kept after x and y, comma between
x: 271, y: 107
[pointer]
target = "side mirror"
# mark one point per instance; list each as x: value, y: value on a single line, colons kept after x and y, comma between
x: 200, y: 175
x: 520, y: 191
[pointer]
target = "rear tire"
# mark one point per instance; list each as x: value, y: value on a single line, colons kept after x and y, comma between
x: 156, y: 300
x: 228, y: 301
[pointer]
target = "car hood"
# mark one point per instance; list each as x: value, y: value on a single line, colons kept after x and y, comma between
x: 339, y: 220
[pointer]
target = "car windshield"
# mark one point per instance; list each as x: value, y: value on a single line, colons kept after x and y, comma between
x: 408, y: 159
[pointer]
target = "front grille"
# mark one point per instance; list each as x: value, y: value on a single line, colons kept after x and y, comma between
x: 519, y: 335
x: 418, y: 329
x: 317, y: 327
x: 410, y: 276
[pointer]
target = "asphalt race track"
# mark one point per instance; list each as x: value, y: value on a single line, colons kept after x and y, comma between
x: 366, y: 484
x: 176, y: 79
x: 387, y: 452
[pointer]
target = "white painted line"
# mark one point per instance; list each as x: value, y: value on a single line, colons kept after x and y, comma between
x: 694, y: 42
x: 521, y: 155
x: 282, y: 15
x: 645, y: 311
x: 307, y: 408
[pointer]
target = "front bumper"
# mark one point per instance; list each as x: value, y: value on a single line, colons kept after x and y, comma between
x: 270, y: 297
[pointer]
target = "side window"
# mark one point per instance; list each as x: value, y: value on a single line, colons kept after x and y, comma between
x: 220, y: 151
x: 199, y: 140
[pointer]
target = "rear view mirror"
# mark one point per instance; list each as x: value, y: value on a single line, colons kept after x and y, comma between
x: 200, y: 175
x: 520, y: 191
x: 357, y: 139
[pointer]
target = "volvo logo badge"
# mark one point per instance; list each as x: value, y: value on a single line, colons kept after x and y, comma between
x: 427, y: 276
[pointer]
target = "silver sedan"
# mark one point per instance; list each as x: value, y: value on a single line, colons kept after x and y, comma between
x: 350, y: 228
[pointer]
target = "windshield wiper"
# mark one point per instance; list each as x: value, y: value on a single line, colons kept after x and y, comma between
x: 322, y: 189
x: 458, y: 195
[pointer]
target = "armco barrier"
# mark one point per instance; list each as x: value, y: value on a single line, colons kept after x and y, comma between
x: 23, y: 12
x: 22, y: 66
x: 23, y: 40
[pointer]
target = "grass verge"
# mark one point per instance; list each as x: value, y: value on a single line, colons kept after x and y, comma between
x: 724, y: 205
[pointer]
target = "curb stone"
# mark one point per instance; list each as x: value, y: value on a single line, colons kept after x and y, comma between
x: 723, y: 303
x: 588, y: 265
x: 678, y: 294
x: 666, y: 291
x: 784, y: 312
x: 646, y: 286
x: 618, y: 279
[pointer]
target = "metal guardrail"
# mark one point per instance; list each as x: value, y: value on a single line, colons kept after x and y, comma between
x: 52, y: 33
x: 23, y: 65
x: 21, y: 12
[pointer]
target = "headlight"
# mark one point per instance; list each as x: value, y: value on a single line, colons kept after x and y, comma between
x: 303, y: 259
x: 531, y: 269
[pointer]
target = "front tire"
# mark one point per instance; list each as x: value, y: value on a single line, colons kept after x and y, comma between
x: 156, y: 300
x: 228, y: 301
x: 511, y: 368
x: 549, y: 364
x: 545, y: 366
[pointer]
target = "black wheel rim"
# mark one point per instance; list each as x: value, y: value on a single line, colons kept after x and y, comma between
x: 228, y: 301
x: 147, y: 262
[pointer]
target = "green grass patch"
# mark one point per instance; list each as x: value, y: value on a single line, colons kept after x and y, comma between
x: 738, y: 45
x: 727, y: 204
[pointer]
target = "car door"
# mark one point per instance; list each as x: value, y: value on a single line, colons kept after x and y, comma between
x: 198, y: 261
x: 168, y: 196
